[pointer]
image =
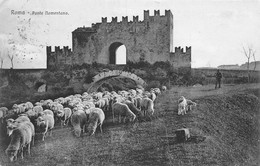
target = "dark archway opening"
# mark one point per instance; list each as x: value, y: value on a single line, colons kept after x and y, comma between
x: 117, y: 53
x: 40, y: 87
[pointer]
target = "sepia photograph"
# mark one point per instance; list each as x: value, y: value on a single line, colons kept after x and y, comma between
x: 130, y: 82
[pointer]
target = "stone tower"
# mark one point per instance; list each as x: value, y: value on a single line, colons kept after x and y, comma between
x: 148, y: 40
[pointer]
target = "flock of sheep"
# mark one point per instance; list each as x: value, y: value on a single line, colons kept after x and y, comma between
x: 85, y: 112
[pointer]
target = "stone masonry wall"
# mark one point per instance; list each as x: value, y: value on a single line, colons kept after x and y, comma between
x: 148, y: 40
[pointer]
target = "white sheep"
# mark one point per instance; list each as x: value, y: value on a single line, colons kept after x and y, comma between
x: 18, y: 108
x: 45, y: 124
x: 121, y: 109
x: 21, y: 120
x: 147, y: 106
x: 133, y: 108
x: 21, y: 137
x: 182, y: 106
x: 46, y: 112
x: 164, y: 88
x: 64, y: 115
x: 78, y: 121
x: 190, y: 104
x: 3, y: 113
x: 28, y: 105
x: 96, y: 118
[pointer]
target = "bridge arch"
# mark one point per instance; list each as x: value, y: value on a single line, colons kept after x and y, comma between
x: 116, y: 73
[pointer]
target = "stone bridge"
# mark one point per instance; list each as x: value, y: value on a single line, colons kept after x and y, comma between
x: 115, y: 73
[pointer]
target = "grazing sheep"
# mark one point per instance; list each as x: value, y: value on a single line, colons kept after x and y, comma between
x: 190, y: 104
x: 64, y: 115
x: 28, y: 105
x: 22, y: 118
x: 18, y: 108
x: 46, y: 112
x: 45, y: 123
x: 157, y: 91
x: 20, y: 138
x: 121, y: 109
x: 152, y: 96
x: 9, y: 126
x: 164, y: 88
x: 3, y: 112
x: 133, y: 108
x: 88, y: 104
x: 97, y: 95
x: 137, y: 101
x: 13, y: 124
x: 139, y: 91
x: 96, y: 118
x: 38, y: 109
x: 38, y: 104
x: 47, y: 104
x: 182, y: 106
x: 102, y: 103
x: 78, y: 121
x: 31, y: 114
x: 147, y: 106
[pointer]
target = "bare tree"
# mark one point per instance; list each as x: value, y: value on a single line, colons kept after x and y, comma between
x: 254, y: 60
x: 249, y: 53
x: 2, y: 60
x: 11, y: 57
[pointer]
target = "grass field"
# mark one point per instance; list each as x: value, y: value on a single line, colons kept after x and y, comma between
x: 224, y: 131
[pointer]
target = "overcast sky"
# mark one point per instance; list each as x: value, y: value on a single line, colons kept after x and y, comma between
x: 216, y: 29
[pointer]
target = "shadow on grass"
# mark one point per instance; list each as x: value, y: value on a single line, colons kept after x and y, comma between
x: 193, y: 139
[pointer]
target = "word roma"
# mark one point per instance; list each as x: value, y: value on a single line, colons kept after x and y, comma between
x: 48, y: 13
x: 14, y: 12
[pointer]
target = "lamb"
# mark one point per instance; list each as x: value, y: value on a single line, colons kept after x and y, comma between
x: 20, y: 138
x: 78, y: 121
x: 182, y: 106
x: 64, y: 115
x: 147, y: 106
x: 121, y: 109
x: 45, y: 123
x: 96, y: 118
x: 3, y: 112
x: 190, y: 104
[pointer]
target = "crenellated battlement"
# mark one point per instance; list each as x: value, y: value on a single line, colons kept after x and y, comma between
x: 181, y: 50
x: 58, y: 50
x: 125, y: 21
x: 147, y: 17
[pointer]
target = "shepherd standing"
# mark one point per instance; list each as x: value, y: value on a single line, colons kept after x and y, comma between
x: 218, y: 76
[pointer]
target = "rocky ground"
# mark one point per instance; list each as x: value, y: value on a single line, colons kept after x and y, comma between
x: 224, y: 131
